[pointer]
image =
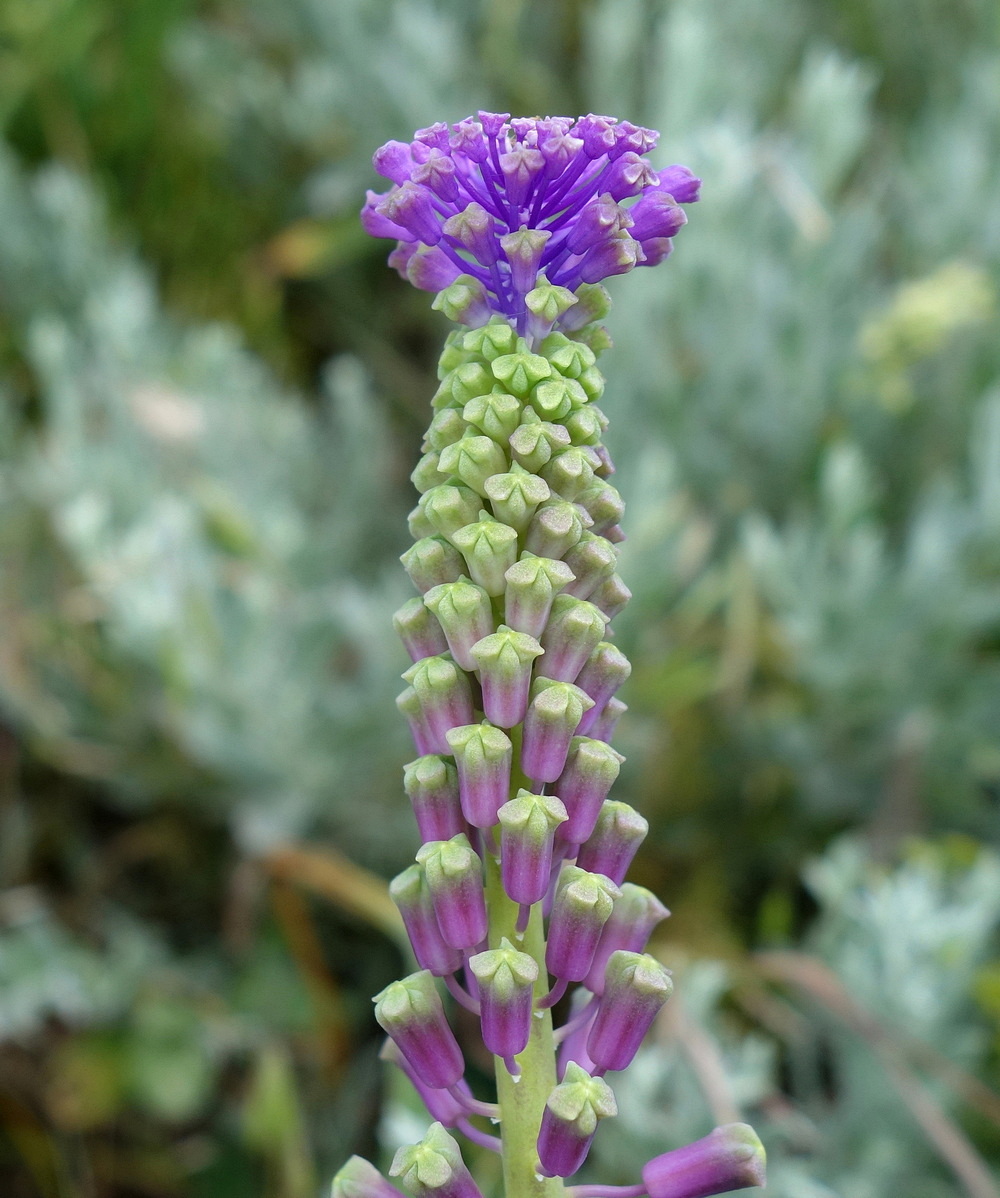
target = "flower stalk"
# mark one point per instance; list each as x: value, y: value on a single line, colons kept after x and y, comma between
x: 518, y: 892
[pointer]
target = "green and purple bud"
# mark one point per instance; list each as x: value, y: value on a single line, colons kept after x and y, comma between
x: 532, y: 585
x: 574, y: 631
x: 410, y: 1012
x: 604, y: 671
x: 505, y: 978
x: 360, y: 1179
x: 489, y: 549
x: 483, y: 756
x: 590, y: 771
x: 432, y: 561
x: 434, y: 1168
x: 431, y: 785
x: 516, y: 495
x: 636, y: 913
x: 465, y: 615
x: 528, y: 825
x: 729, y: 1158
x: 504, y: 660
x: 550, y: 723
x: 569, y: 1121
x: 636, y: 986
x: 412, y: 896
x: 555, y: 528
x: 418, y: 630
x: 593, y: 561
x: 444, y: 695
x: 454, y: 875
x: 619, y: 831
x: 582, y: 906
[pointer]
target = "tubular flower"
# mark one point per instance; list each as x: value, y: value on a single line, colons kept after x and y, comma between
x: 502, y: 208
x: 518, y: 896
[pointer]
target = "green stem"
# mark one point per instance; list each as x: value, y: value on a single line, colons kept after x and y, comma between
x: 522, y: 1102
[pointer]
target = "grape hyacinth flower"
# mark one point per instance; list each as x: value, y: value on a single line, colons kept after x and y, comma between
x: 518, y: 893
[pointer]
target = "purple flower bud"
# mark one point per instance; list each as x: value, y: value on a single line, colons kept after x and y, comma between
x: 410, y: 206
x: 534, y: 442
x: 434, y: 1167
x: 483, y: 759
x: 592, y: 560
x: 504, y: 660
x: 520, y: 168
x: 444, y: 695
x: 603, y: 728
x: 411, y: 894
x: 550, y: 722
x: 656, y: 215
x: 438, y: 173
x: 636, y: 913
x: 729, y: 1158
x: 376, y: 225
x: 636, y: 987
x: 570, y: 1120
x: 431, y: 785
x: 523, y: 250
x: 574, y: 631
x: 442, y: 1105
x: 489, y: 549
x: 583, y: 905
x: 410, y: 1011
x: 418, y: 630
x: 619, y: 831
x: 359, y: 1179
x: 506, y: 978
x: 590, y: 772
x: 655, y: 250
x: 532, y: 584
x: 448, y: 509
x: 615, y: 256
x: 529, y: 823
x: 602, y: 674
x: 464, y: 613
x: 555, y: 528
x: 497, y: 415
x: 599, y: 220
x: 455, y: 880
x: 394, y: 161
x: 598, y: 134
x: 628, y: 176
x: 474, y: 460
x: 468, y: 140
x: 514, y: 496
x: 679, y: 182
x: 611, y: 596
x: 475, y: 230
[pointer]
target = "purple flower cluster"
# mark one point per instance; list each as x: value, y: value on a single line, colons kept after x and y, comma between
x: 507, y: 203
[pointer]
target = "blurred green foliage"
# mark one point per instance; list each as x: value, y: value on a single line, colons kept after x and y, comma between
x: 211, y: 394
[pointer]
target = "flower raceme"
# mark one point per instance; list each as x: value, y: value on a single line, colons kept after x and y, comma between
x: 518, y: 895
x: 498, y: 206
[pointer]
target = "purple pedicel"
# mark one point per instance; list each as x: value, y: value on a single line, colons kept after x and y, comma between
x: 635, y: 990
x: 483, y: 760
x: 619, y: 831
x: 550, y: 723
x: 444, y: 695
x: 635, y: 915
x: 441, y: 1105
x: 455, y: 881
x: 574, y: 631
x: 410, y: 1011
x: 541, y: 194
x: 431, y: 785
x: 591, y: 769
x: 528, y: 825
x: 418, y: 630
x: 583, y: 904
x: 729, y: 1158
x: 506, y: 978
x: 410, y: 893
x: 570, y: 1120
x: 603, y: 673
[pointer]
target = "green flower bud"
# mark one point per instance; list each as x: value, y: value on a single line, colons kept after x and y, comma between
x: 434, y: 1167
x: 426, y: 473
x: 446, y: 427
x: 554, y: 529
x: 497, y: 414
x: 535, y: 440
x: 464, y: 301
x: 504, y: 661
x: 569, y: 473
x: 448, y: 508
x: 520, y: 371
x: 586, y: 425
x: 432, y: 561
x: 474, y: 460
x: 489, y: 549
x: 570, y: 358
x: 465, y: 614
x: 491, y: 340
x: 532, y: 584
x: 514, y: 496
x: 555, y: 398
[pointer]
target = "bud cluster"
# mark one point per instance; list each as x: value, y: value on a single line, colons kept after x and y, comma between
x: 518, y: 894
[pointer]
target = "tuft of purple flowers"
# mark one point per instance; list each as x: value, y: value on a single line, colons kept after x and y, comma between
x: 503, y: 206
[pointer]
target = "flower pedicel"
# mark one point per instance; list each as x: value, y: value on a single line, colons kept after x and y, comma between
x: 518, y: 893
